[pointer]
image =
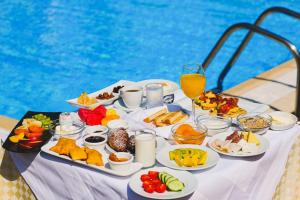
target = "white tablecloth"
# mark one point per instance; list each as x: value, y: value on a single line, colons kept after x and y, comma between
x: 232, y: 178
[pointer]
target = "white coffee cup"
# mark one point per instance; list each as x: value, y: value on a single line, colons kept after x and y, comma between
x: 132, y: 96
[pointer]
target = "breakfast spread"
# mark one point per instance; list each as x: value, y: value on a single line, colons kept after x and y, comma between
x: 219, y: 105
x: 188, y: 157
x: 68, y: 147
x: 105, y: 129
x: 105, y: 95
x: 187, y: 134
x: 160, y: 182
x: 30, y: 133
x: 165, y: 118
x: 85, y: 100
x: 238, y: 141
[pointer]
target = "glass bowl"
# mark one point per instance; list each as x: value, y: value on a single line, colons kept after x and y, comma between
x: 72, y: 130
x: 189, y: 133
x: 214, y: 124
x: 257, y: 123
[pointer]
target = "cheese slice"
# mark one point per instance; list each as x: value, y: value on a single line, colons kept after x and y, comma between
x: 251, y: 138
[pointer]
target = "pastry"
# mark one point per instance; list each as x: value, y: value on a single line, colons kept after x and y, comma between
x: 94, y: 157
x: 78, y: 153
x: 63, y: 146
x: 118, y: 139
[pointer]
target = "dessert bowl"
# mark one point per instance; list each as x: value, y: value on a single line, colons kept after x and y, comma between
x: 214, y: 124
x: 72, y: 130
x: 189, y: 133
x: 98, y: 129
x: 257, y: 123
x: 282, y: 120
x: 117, y: 123
x: 121, y: 165
x: 95, y: 141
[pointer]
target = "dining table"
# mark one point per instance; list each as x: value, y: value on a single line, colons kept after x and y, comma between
x: 254, y: 177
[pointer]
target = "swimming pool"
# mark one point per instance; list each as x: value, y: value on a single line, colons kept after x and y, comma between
x: 51, y: 51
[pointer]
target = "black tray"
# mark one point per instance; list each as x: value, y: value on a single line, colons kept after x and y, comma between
x: 15, y: 147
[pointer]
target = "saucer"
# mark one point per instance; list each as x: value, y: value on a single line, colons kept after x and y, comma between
x: 119, y: 104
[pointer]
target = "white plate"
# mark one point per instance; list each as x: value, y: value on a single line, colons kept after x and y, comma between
x: 134, y: 166
x: 189, y: 180
x: 186, y: 104
x: 170, y: 88
x: 119, y: 104
x: 101, y: 102
x: 262, y: 148
x: 160, y: 144
x: 163, y: 157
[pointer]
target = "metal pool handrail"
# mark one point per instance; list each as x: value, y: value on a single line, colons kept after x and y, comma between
x: 255, y: 29
x: 258, y: 22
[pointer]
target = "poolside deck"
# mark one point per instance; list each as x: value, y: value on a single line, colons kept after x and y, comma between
x: 277, y: 88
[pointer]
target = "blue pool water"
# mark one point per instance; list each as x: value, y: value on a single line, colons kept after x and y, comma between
x: 52, y: 50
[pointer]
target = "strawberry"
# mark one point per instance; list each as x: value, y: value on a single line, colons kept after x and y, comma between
x: 94, y: 119
x: 101, y: 110
x: 83, y: 113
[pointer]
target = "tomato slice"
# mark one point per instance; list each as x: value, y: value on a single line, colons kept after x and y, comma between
x: 161, y: 188
x: 145, y: 177
x: 153, y: 174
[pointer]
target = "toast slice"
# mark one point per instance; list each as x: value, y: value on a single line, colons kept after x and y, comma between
x: 155, y: 115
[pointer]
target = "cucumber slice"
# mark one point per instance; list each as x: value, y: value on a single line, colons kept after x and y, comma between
x: 167, y: 177
x: 159, y: 175
x: 163, y: 176
x: 175, y: 186
x: 170, y: 180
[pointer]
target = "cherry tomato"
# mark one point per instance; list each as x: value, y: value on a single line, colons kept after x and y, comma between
x: 161, y: 188
x: 156, y: 182
x: 37, y: 134
x: 153, y: 174
x: 146, y: 183
x: 149, y: 189
x: 145, y: 177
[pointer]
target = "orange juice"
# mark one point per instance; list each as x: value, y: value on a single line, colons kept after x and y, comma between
x: 192, y: 85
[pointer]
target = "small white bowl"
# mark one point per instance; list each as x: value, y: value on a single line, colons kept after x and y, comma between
x: 97, y: 129
x: 214, y: 124
x: 282, y: 120
x: 117, y: 123
x: 121, y: 166
x: 99, y: 146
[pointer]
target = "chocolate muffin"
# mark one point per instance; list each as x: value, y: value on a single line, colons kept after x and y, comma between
x: 118, y: 139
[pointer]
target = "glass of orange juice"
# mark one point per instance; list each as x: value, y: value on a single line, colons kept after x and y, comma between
x: 192, y: 82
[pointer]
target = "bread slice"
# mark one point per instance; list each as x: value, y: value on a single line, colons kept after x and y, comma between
x: 161, y: 118
x: 152, y: 117
x: 172, y: 118
x: 181, y: 118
